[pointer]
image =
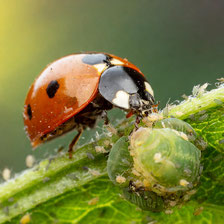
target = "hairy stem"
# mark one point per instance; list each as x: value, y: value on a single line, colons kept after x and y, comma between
x: 54, y: 177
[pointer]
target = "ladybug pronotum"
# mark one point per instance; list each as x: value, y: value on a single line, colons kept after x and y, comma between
x: 73, y: 91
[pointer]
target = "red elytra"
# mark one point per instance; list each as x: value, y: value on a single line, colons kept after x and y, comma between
x: 62, y: 90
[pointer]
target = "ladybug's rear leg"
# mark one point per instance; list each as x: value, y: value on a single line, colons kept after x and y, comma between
x: 74, y: 141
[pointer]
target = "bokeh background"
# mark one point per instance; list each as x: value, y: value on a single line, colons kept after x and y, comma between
x: 177, y: 44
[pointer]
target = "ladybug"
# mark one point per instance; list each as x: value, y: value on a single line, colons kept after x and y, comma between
x: 73, y: 91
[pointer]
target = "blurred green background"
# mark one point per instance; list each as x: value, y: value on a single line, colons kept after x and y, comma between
x: 177, y: 44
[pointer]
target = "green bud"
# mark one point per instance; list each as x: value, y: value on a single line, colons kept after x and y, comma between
x: 157, y: 168
x: 166, y: 161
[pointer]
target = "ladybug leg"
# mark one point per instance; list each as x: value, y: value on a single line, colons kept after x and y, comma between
x: 105, y: 117
x: 74, y: 141
x: 137, y: 121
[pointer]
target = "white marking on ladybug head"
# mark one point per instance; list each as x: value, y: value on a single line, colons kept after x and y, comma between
x: 115, y: 61
x: 149, y: 88
x: 121, y: 99
x: 100, y: 67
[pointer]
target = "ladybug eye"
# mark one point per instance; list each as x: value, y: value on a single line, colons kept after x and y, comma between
x: 134, y: 101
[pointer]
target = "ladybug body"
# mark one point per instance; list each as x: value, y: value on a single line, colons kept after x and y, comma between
x: 72, y: 92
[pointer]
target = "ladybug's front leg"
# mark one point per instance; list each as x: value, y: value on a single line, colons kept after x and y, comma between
x: 137, y: 121
x: 74, y: 141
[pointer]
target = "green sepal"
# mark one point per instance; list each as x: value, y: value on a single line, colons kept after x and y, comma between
x: 120, y: 161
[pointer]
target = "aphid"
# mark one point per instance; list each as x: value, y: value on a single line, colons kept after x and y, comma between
x: 199, y: 90
x: 152, y: 118
x: 221, y: 80
x: 93, y: 201
x: 90, y: 156
x: 94, y: 172
x: 218, y: 102
x: 168, y: 211
x: 100, y: 149
x: 202, y: 112
x: 106, y: 143
x: 6, y: 174
x: 85, y: 168
x: 203, y: 117
x: 30, y: 160
x: 185, y: 97
x: 135, y: 172
x: 46, y: 179
x: 172, y: 203
x: 198, y: 211
x: 120, y: 179
x: 11, y: 199
x: 72, y: 176
x: 192, y: 117
x: 184, y: 183
x: 6, y: 210
x: 179, y: 113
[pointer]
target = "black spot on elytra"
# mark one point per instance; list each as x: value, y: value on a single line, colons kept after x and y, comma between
x: 29, y: 111
x: 93, y: 59
x: 52, y: 88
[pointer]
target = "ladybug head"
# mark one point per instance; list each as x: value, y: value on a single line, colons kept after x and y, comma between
x: 128, y: 89
x: 141, y: 103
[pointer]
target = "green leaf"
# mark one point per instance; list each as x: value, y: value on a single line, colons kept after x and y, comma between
x: 120, y: 162
x: 61, y: 190
x: 96, y: 202
x: 212, y: 130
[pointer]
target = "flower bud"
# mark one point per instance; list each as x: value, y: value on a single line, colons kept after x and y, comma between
x: 166, y: 161
x: 156, y: 167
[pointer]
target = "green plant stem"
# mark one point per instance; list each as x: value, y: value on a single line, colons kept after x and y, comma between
x: 49, y: 179
x: 196, y: 104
